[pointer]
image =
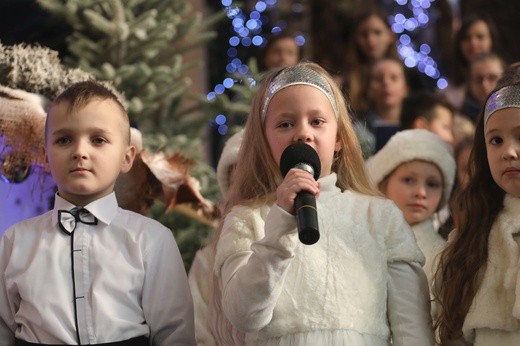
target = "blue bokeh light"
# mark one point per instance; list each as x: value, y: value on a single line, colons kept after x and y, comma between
x: 261, y: 6
x: 252, y: 24
x: 211, y: 96
x: 246, y: 41
x: 397, y: 28
x: 399, y: 18
x: 255, y: 15
x: 423, y: 18
x: 228, y: 83
x: 231, y: 68
x: 219, y: 89
x: 237, y: 22
x: 442, y: 83
x: 222, y: 130
x: 244, y: 32
x: 232, y: 52
x: 220, y: 119
x: 410, y: 61
x: 234, y: 41
x: 425, y: 49
x: 258, y: 40
x: 243, y: 69
x: 405, y: 39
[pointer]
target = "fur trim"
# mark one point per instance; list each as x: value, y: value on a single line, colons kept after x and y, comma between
x: 496, y: 302
x: 409, y: 145
x: 227, y: 159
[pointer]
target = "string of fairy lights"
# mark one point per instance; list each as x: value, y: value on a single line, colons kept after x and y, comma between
x: 404, y: 27
x: 248, y: 30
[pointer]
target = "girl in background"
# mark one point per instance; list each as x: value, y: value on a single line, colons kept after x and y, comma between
x: 362, y: 282
x: 477, y: 283
x: 483, y: 76
x: 477, y: 35
x: 372, y: 40
x: 416, y: 170
x: 280, y: 50
x: 387, y: 89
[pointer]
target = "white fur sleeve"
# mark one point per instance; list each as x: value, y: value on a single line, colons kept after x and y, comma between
x: 409, y: 305
x: 251, y: 263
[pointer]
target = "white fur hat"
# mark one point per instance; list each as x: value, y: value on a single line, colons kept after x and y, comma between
x: 408, y: 145
x: 227, y: 159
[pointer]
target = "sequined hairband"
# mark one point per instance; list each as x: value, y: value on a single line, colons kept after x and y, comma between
x: 506, y: 97
x: 298, y: 75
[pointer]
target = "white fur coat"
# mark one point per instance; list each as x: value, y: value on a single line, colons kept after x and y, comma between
x: 494, y: 315
x: 276, y: 285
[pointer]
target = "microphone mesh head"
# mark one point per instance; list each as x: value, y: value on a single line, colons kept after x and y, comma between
x: 297, y: 154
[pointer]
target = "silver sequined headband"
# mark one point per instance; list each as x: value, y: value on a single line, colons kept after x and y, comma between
x: 506, y: 97
x: 298, y: 75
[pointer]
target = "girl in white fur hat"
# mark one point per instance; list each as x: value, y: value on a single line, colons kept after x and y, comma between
x: 416, y: 170
x: 478, y: 282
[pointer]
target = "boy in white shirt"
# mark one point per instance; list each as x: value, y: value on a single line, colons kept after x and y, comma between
x: 88, y: 272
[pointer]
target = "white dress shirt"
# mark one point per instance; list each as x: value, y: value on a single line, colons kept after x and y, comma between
x: 128, y: 281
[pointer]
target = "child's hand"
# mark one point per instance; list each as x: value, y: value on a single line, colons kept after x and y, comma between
x: 295, y: 180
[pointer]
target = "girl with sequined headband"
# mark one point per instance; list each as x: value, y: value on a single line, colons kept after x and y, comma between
x: 361, y: 283
x: 477, y: 282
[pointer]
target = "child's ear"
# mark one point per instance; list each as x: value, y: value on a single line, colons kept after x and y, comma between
x: 337, y: 146
x: 421, y: 123
x: 128, y: 159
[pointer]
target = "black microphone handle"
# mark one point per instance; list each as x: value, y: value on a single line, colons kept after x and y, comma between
x: 307, y: 218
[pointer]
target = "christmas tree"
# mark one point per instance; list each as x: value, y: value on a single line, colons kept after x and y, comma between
x: 140, y: 46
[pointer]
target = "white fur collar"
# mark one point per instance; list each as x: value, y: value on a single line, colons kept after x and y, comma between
x: 497, y: 302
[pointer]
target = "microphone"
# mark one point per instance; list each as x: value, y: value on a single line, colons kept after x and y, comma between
x: 302, y: 156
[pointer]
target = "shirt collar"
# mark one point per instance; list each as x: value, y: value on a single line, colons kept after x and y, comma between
x: 104, y: 209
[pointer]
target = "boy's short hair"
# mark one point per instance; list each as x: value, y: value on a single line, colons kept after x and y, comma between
x: 421, y: 104
x: 80, y: 94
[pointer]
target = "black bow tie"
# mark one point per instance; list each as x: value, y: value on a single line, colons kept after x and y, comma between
x: 69, y: 219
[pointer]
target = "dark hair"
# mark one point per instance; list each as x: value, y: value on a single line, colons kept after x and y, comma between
x: 489, y: 56
x: 80, y: 94
x: 460, y: 66
x: 270, y: 43
x: 511, y: 75
x: 421, y: 104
